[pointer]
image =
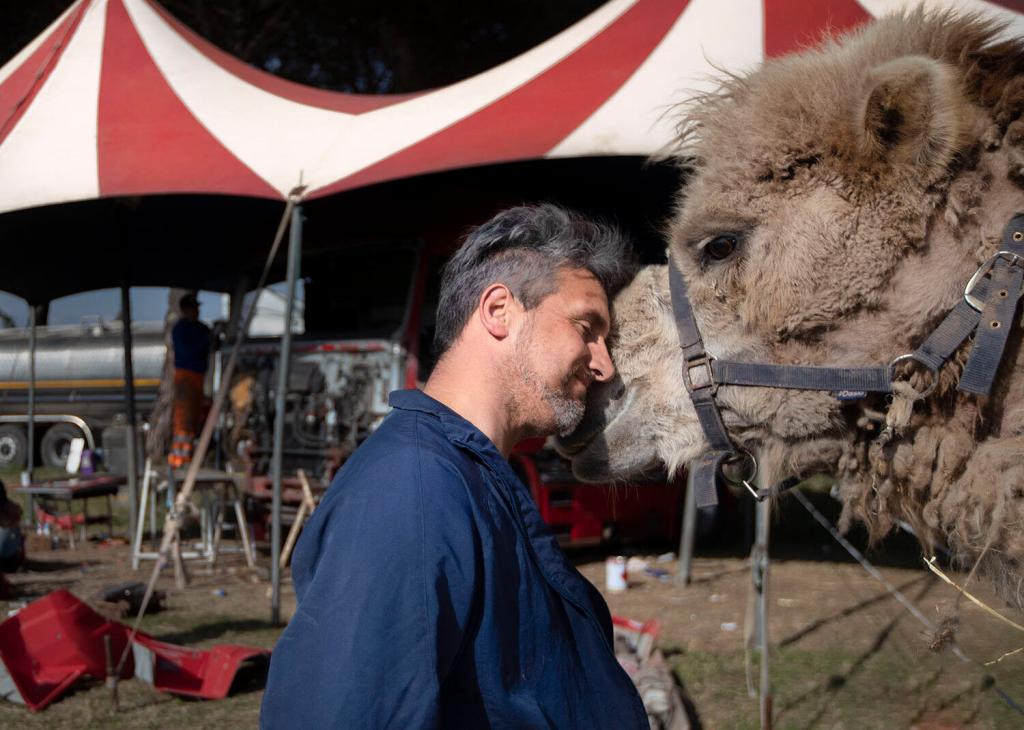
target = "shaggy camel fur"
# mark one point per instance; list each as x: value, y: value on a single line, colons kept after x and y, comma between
x: 837, y: 203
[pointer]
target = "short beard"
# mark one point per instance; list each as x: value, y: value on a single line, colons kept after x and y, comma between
x: 567, y: 412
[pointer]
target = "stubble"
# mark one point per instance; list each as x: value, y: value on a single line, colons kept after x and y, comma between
x: 566, y: 412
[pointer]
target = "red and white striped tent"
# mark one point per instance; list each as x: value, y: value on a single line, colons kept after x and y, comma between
x: 118, y: 98
x: 117, y: 102
x: 116, y: 110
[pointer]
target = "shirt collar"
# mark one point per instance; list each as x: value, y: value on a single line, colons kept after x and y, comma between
x: 457, y: 428
x: 552, y: 562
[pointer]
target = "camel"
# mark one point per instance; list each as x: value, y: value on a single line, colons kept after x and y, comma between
x: 836, y: 204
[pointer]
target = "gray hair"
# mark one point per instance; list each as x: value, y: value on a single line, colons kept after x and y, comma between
x: 523, y: 248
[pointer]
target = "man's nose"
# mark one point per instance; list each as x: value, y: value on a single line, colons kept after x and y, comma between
x: 601, y: 361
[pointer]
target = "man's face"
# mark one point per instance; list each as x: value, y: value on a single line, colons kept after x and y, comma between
x: 558, y: 352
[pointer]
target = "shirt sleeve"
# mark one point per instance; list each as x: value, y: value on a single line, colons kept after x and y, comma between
x: 385, y: 574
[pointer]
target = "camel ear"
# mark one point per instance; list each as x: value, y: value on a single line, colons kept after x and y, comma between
x: 912, y: 113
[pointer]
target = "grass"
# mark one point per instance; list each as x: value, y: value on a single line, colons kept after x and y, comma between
x: 834, y: 687
x: 142, y: 708
x: 139, y: 708
x: 850, y: 656
x: 11, y: 475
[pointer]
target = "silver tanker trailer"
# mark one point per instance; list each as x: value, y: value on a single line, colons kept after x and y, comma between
x: 79, y: 385
x: 337, y: 393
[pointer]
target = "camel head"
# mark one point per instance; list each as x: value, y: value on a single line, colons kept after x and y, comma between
x: 837, y: 202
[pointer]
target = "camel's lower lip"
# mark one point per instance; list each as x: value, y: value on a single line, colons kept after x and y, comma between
x: 576, y: 441
x: 573, y: 443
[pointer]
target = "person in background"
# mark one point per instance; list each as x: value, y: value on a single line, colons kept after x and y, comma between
x: 12, y: 542
x: 191, y: 341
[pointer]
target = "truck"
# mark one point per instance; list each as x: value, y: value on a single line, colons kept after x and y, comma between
x: 79, y: 385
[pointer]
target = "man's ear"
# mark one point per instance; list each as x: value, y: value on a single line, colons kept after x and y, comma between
x: 496, y: 310
x: 912, y: 113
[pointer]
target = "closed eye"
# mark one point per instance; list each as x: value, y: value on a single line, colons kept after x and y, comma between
x: 591, y: 324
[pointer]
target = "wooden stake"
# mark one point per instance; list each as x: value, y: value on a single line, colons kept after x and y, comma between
x: 305, y: 510
x: 180, y: 572
x: 293, y: 534
x: 218, y: 526
x: 243, y: 531
x: 111, y: 679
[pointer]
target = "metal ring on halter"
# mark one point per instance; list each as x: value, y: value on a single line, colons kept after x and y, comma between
x: 738, y: 456
x: 931, y: 368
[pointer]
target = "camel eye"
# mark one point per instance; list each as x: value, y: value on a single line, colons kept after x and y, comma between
x: 720, y: 248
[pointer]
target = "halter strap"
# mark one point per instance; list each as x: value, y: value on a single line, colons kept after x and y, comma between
x: 700, y: 384
x: 989, y: 306
x: 999, y: 312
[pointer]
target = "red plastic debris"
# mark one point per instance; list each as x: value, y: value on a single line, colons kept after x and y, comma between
x: 637, y: 637
x: 193, y: 672
x: 54, y: 641
x: 64, y: 522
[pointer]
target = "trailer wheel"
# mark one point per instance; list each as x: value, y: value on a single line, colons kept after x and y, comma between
x: 56, y: 443
x: 13, y: 446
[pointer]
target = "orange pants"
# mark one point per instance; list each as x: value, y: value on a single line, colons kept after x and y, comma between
x: 188, y: 398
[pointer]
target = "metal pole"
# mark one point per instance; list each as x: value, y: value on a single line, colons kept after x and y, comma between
x: 294, y: 256
x: 31, y: 456
x: 688, y: 534
x: 759, y: 569
x: 132, y: 435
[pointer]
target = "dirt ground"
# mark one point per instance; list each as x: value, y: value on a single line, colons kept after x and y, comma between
x: 198, y: 616
x: 844, y: 653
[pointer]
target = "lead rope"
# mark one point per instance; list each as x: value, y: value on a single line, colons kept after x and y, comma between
x: 899, y: 412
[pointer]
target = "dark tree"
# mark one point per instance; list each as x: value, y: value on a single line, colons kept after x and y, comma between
x: 363, y: 46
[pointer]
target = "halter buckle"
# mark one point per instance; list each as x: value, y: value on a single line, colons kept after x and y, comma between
x: 701, y: 367
x: 982, y: 271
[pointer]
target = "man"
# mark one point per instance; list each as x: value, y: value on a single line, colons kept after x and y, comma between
x: 430, y: 592
x: 191, y: 342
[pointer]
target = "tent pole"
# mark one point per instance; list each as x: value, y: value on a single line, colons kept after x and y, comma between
x: 31, y: 458
x: 132, y: 434
x: 283, y: 367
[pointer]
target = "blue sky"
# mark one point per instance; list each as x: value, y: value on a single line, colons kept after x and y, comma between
x: 148, y: 305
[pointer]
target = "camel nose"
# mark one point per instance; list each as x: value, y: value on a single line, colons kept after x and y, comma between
x: 601, y: 361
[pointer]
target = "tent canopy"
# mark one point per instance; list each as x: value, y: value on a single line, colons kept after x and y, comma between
x: 118, y: 100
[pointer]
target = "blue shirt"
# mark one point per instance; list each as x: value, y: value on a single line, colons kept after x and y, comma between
x: 191, y: 341
x: 431, y: 594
